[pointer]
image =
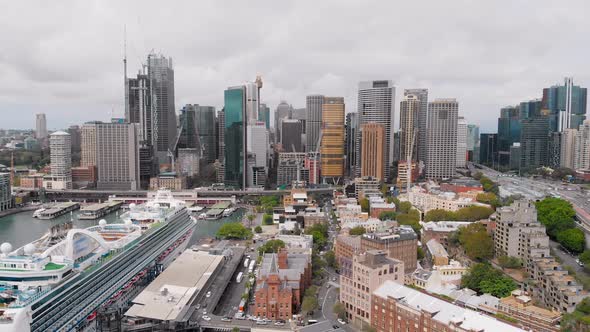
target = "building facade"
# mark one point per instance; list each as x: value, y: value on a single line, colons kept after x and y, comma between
x: 88, y: 144
x: 283, y: 111
x: 61, y: 160
x: 400, y: 243
x: 473, y: 143
x: 40, y: 126
x: 488, y: 150
x: 534, y: 142
x: 376, y: 103
x: 567, y: 105
x: 235, y: 119
x: 352, y: 127
x: 409, y: 112
x: 314, y: 121
x: 291, y: 131
x: 332, y: 145
x: 422, y: 95
x: 117, y: 156
x: 461, y: 142
x: 442, y: 138
x: 372, y: 150
x: 369, y: 271
x: 5, y: 192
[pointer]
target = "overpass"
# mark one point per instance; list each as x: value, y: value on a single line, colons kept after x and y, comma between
x: 70, y: 303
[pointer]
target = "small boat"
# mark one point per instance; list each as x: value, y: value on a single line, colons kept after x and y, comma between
x: 228, y: 212
x: 38, y: 212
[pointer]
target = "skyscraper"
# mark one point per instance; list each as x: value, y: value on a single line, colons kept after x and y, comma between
x: 473, y: 143
x: 221, y: 135
x: 332, y: 145
x: 189, y: 138
x: 74, y: 132
x: 88, y: 145
x: 376, y: 103
x: 150, y: 103
x: 206, y: 130
x: 264, y: 115
x: 60, y: 146
x: 313, y: 123
x: 422, y: 95
x: 291, y: 131
x: 582, y: 147
x: 257, y: 139
x: 567, y: 105
x: 567, y: 154
x: 352, y: 127
x: 409, y: 112
x: 372, y: 154
x: 235, y: 137
x: 40, y: 126
x: 117, y: 156
x: 488, y: 151
x: 283, y: 111
x: 5, y: 192
x: 509, y: 130
x: 534, y: 141
x: 461, y: 142
x: 442, y: 138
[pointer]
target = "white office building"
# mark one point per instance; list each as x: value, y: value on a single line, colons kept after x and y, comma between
x: 60, y: 146
x: 442, y: 138
x: 461, y: 142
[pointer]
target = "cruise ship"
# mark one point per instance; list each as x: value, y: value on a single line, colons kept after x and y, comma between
x: 93, y: 268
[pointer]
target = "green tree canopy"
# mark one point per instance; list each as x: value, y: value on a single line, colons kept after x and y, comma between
x: 483, y: 278
x: 477, y: 243
x: 403, y: 207
x: 473, y: 213
x: 572, y: 239
x: 358, y: 230
x: 556, y: 214
x: 488, y: 198
x: 387, y: 215
x: 364, y: 205
x: 585, y: 257
x: 339, y: 310
x: 267, y: 219
x: 271, y: 246
x: 330, y: 258
x: 258, y: 229
x: 439, y: 215
x: 509, y: 262
x: 234, y: 230
x: 310, y: 303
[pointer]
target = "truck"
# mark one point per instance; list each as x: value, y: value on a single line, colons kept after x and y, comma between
x: 246, y: 262
x: 251, y: 267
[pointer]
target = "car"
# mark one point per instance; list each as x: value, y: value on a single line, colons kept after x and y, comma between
x: 208, y: 294
x: 226, y: 319
x: 341, y: 321
x: 207, y: 318
x: 204, y: 312
x: 335, y: 327
x: 280, y: 323
x: 261, y: 322
x: 198, y: 306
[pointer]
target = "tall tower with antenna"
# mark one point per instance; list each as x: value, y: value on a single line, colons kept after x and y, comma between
x: 126, y: 82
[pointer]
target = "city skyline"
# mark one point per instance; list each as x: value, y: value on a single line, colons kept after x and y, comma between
x: 62, y: 84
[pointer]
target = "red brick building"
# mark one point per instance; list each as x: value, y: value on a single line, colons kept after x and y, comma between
x: 280, y: 285
x: 31, y: 181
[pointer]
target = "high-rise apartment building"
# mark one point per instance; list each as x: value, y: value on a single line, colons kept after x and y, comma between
x: 422, y: 95
x: 376, y: 103
x: 5, y: 192
x: 512, y: 223
x: 442, y: 138
x: 332, y: 145
x: 473, y: 143
x: 352, y: 127
x: 314, y: 121
x: 582, y: 147
x: 461, y: 142
x: 88, y: 145
x: 534, y: 140
x: 409, y: 112
x: 567, y: 105
x: 291, y: 132
x: 372, y: 154
x: 40, y: 126
x: 117, y: 156
x: 60, y: 146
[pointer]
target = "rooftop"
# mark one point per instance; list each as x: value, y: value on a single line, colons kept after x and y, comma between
x: 442, y: 311
x: 166, y: 297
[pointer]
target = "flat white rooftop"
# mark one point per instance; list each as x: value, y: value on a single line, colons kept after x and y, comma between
x: 168, y: 296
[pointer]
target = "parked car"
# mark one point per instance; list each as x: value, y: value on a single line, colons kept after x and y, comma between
x: 208, y: 294
x: 261, y: 322
x: 226, y: 319
x: 207, y: 318
x: 341, y: 321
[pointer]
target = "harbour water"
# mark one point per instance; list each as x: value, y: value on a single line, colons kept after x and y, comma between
x: 21, y: 228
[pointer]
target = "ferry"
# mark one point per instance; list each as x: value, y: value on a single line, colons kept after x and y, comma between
x: 229, y: 211
x: 56, y: 210
x: 34, y: 270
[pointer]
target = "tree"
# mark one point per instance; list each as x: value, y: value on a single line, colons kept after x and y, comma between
x: 271, y: 246
x: 404, y: 207
x: 509, y: 262
x: 477, y: 243
x: 364, y: 205
x: 258, y: 229
x: 473, y: 213
x: 488, y: 198
x: 387, y: 215
x: 235, y: 329
x: 267, y: 219
x: 250, y: 218
x: 318, y: 238
x: 585, y: 257
x: 438, y: 215
x: 339, y: 310
x: 483, y: 278
x: 234, y: 230
x: 358, y: 230
x: 556, y: 214
x: 420, y: 253
x: 310, y: 303
x: 330, y: 258
x: 579, y: 320
x: 572, y: 239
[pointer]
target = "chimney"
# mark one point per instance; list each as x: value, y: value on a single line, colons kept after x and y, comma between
x: 283, y: 259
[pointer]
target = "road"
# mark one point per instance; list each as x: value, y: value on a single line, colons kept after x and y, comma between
x: 535, y: 189
x: 567, y: 259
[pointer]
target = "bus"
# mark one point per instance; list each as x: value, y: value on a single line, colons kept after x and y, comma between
x: 246, y: 262
x: 242, y: 305
x: 251, y: 267
x: 239, y: 277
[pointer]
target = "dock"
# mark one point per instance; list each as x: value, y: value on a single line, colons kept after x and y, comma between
x: 58, y: 210
x: 96, y: 211
x: 216, y: 210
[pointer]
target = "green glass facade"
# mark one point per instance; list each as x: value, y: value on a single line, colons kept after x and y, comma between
x: 264, y: 115
x: 235, y: 137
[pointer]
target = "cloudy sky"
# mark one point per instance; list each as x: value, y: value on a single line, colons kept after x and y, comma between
x: 64, y: 58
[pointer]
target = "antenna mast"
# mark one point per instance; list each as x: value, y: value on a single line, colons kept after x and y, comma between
x: 126, y: 83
